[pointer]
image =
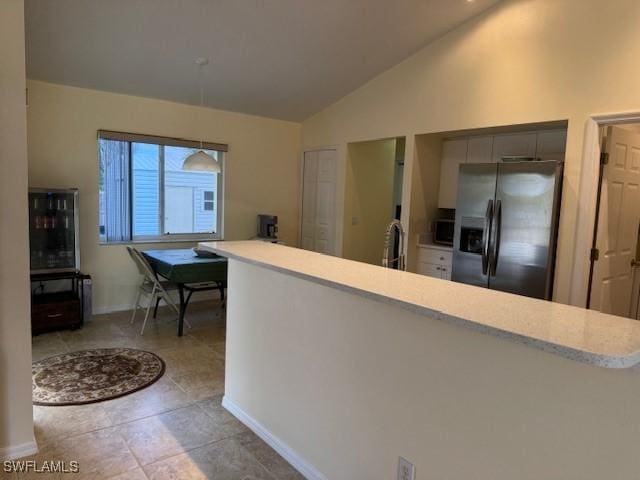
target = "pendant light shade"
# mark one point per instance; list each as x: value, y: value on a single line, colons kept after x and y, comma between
x: 201, y: 162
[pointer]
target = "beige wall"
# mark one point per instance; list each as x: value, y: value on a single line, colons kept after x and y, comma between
x: 350, y: 384
x: 368, y: 198
x: 262, y: 167
x: 523, y: 61
x: 16, y: 424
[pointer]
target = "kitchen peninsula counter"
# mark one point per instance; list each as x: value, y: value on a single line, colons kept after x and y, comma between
x: 571, y: 332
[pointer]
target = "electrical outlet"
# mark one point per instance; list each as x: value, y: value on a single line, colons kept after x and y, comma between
x: 406, y: 470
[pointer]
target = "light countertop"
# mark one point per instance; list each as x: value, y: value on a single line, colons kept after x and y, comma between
x: 571, y: 332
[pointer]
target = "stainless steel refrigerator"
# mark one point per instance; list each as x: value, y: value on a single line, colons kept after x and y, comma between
x: 506, y: 226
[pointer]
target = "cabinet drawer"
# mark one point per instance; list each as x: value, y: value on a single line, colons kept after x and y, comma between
x: 51, y: 315
x: 429, y: 269
x: 431, y: 255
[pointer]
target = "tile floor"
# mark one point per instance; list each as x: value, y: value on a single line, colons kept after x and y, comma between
x: 174, y: 429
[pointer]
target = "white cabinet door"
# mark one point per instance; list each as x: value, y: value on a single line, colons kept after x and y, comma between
x: 445, y: 272
x: 318, y: 201
x: 429, y: 269
x: 551, y: 145
x: 454, y: 152
x: 480, y: 150
x: 514, y: 145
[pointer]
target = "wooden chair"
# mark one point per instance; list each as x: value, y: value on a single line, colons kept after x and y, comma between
x: 151, y: 286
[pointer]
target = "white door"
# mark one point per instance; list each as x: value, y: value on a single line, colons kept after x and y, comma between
x: 318, y: 201
x: 514, y: 145
x: 454, y: 152
x: 619, y: 217
x: 178, y: 210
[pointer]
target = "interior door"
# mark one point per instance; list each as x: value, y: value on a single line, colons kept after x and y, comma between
x: 325, y: 202
x: 617, y: 229
x: 178, y: 210
x: 309, y: 189
x: 318, y: 201
x: 524, y: 228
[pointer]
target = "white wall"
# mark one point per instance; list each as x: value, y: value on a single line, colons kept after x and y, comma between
x: 523, y: 61
x: 262, y: 167
x: 16, y: 423
x: 350, y: 384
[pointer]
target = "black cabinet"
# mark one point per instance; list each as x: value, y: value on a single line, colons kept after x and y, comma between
x: 62, y: 307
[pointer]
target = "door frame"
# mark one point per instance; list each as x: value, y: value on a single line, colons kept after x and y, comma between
x: 588, y: 201
x: 339, y: 212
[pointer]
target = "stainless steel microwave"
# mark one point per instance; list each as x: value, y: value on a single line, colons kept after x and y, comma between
x: 443, y: 230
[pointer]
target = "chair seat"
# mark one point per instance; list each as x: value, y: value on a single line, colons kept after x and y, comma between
x: 147, y: 287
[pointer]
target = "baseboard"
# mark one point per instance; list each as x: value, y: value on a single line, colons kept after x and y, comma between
x: 284, y: 450
x: 128, y: 306
x: 14, y: 452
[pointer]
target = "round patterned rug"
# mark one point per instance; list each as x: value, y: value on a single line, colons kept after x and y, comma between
x: 92, y: 376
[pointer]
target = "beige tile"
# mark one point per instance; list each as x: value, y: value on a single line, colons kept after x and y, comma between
x: 269, y: 458
x: 154, y: 342
x: 162, y: 396
x: 223, y: 460
x: 53, y: 423
x: 47, y: 345
x: 100, y: 455
x: 171, y: 433
x: 198, y: 358
x: 212, y: 406
x: 201, y: 385
x: 137, y: 474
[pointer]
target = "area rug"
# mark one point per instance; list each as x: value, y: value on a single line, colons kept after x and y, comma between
x: 92, y: 376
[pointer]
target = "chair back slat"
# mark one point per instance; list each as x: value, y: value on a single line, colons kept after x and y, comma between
x: 143, y: 265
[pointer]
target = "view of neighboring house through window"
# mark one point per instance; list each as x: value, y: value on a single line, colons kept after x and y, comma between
x: 145, y: 194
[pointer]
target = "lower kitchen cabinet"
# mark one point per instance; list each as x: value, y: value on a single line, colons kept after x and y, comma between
x: 434, y: 261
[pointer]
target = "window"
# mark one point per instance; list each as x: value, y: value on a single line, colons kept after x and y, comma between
x: 207, y: 204
x: 146, y: 195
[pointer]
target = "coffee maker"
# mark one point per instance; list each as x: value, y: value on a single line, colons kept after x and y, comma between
x: 268, y: 227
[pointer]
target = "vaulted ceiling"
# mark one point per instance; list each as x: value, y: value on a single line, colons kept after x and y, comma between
x: 285, y: 59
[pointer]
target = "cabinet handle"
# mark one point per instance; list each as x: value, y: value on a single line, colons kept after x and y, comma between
x: 438, y: 268
x: 54, y: 315
x: 441, y: 258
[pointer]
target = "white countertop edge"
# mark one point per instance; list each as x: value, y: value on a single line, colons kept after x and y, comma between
x: 591, y: 358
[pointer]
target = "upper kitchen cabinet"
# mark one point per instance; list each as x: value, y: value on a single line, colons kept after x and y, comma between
x: 480, y: 149
x: 551, y: 145
x: 454, y: 152
x: 514, y: 145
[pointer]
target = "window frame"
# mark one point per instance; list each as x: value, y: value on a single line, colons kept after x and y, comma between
x: 221, y: 151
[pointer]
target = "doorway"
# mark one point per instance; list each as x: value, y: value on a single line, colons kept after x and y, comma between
x: 614, y: 279
x: 373, y: 197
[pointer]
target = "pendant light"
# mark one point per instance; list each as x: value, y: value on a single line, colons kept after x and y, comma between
x: 201, y: 161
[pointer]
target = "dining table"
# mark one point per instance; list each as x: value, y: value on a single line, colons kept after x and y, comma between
x: 190, y: 273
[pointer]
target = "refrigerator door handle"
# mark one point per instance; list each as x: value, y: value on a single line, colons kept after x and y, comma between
x: 485, y: 237
x: 497, y: 227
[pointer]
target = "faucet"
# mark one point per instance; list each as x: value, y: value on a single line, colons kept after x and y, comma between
x: 394, y: 225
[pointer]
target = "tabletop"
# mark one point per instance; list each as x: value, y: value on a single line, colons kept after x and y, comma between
x: 183, y: 266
